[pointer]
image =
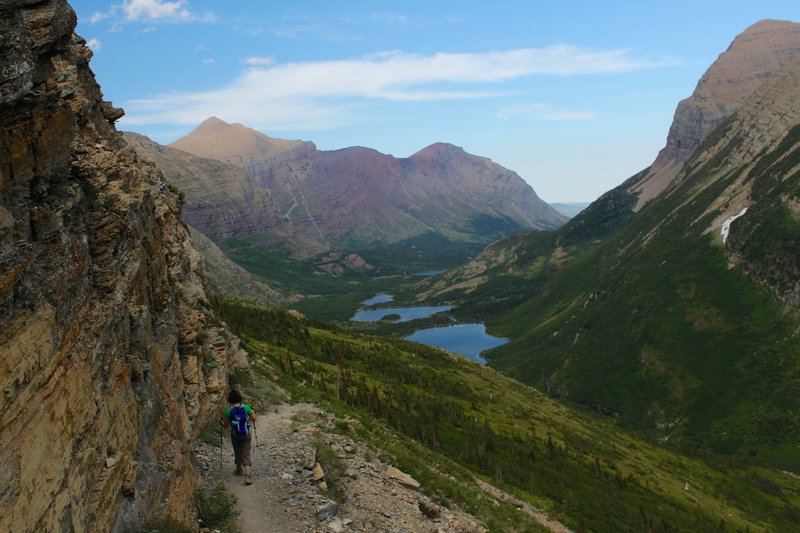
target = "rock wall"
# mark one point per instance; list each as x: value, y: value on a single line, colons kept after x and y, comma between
x: 756, y: 55
x: 110, y: 359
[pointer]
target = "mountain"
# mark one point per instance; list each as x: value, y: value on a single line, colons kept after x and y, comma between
x: 238, y: 145
x: 681, y: 319
x: 228, y: 278
x: 112, y: 359
x: 115, y: 363
x: 340, y: 225
x: 358, y: 197
x: 570, y: 209
x: 221, y: 200
x: 752, y: 58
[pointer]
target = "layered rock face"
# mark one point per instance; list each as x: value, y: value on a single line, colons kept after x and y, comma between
x: 110, y: 358
x: 753, y: 57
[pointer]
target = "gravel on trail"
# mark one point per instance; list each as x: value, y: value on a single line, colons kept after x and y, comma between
x: 290, y: 493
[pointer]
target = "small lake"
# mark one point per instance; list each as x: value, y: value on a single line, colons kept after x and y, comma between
x: 378, y: 299
x: 429, y: 273
x: 465, y: 339
x: 406, y: 313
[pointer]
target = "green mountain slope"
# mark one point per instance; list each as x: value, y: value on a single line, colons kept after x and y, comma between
x: 665, y: 335
x: 653, y: 316
x: 670, y: 328
x: 445, y: 420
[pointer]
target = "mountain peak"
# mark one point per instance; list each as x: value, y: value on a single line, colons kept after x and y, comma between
x: 754, y: 56
x: 212, y: 122
x: 213, y: 126
x: 437, y: 149
x: 233, y: 143
x: 768, y: 25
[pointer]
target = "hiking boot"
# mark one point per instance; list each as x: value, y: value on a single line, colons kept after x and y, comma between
x: 238, y: 471
x: 248, y: 475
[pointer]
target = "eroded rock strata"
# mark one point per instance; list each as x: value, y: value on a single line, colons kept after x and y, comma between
x: 109, y: 356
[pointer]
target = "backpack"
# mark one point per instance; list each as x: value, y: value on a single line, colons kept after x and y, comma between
x: 239, y: 426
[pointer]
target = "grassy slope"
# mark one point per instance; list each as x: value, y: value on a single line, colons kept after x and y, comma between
x: 460, y: 415
x: 655, y: 326
x: 514, y: 270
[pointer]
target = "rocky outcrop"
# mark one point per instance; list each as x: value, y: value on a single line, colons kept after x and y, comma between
x: 752, y: 58
x: 756, y: 215
x: 111, y: 358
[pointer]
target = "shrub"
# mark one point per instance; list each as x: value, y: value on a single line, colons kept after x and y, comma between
x: 162, y: 525
x: 216, y: 507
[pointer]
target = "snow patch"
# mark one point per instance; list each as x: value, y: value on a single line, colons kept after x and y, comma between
x: 726, y: 226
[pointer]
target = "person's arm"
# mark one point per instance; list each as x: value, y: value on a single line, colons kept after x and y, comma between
x: 252, y: 413
x: 225, y: 420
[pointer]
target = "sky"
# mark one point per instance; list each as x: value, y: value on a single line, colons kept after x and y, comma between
x: 574, y: 96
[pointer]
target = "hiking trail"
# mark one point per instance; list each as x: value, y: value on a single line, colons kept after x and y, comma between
x: 289, y: 492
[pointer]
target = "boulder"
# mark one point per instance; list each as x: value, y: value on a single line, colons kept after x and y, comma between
x: 402, y: 477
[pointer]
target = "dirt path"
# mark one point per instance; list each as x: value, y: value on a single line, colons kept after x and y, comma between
x: 533, y: 512
x: 264, y: 506
x: 285, y: 497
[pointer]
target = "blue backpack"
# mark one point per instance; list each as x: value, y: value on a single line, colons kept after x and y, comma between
x: 239, y: 425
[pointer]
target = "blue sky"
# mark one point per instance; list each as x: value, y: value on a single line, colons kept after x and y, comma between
x: 574, y: 96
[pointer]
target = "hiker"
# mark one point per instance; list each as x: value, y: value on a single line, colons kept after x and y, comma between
x: 238, y: 417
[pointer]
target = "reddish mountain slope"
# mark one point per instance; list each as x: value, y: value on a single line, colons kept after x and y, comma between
x: 358, y: 195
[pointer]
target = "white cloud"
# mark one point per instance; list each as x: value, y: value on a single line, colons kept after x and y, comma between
x: 208, y: 61
x: 157, y: 10
x: 152, y: 11
x: 569, y: 115
x: 527, y: 110
x: 542, y: 112
x: 99, y: 16
x: 259, y: 60
x: 94, y: 45
x: 321, y: 94
x: 391, y: 18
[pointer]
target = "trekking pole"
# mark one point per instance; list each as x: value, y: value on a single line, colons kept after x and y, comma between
x: 220, y: 449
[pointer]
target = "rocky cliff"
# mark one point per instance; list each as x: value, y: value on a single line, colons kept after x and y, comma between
x: 753, y: 57
x: 111, y: 359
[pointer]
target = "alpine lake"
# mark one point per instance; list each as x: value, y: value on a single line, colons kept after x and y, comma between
x: 469, y: 340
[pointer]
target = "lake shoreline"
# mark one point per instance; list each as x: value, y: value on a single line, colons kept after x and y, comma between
x: 469, y: 339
